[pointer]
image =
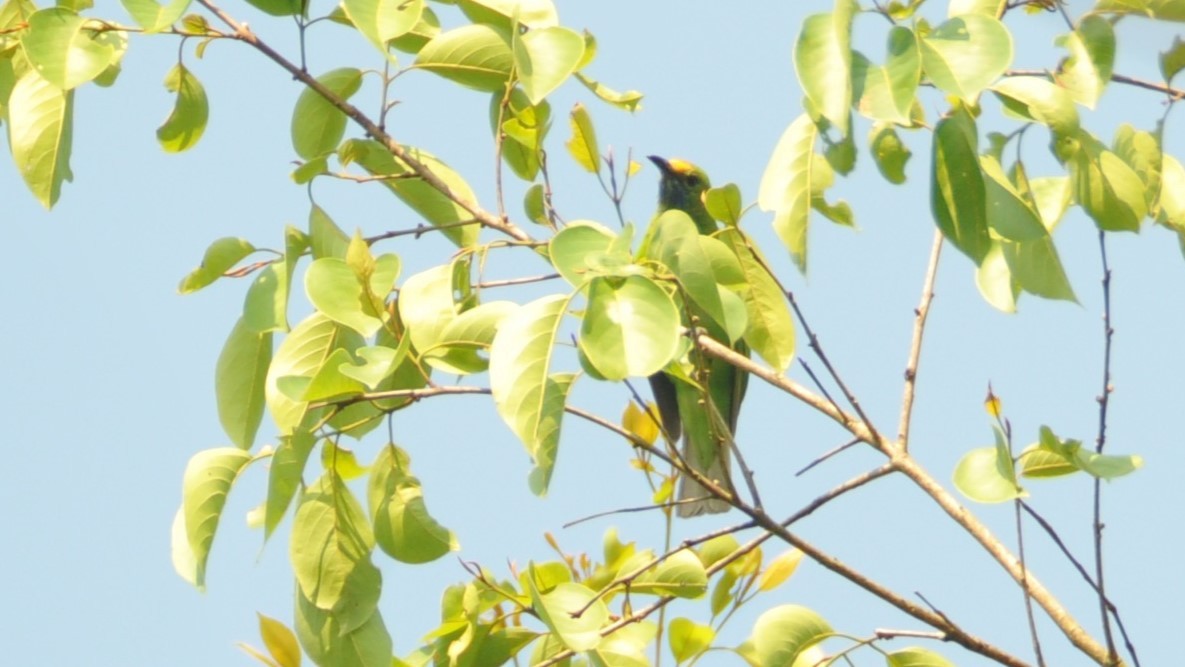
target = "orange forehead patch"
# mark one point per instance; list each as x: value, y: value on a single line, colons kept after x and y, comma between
x: 681, y: 166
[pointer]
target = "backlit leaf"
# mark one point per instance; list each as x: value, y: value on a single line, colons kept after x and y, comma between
x: 208, y: 478
x: 966, y: 54
x: 187, y: 122
x: 239, y: 383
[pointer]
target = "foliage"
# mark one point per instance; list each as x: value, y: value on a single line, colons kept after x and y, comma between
x: 378, y: 341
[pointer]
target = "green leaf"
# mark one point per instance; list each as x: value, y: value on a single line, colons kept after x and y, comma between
x: 535, y: 206
x: 823, y: 62
x: 154, y: 17
x: 239, y: 381
x: 381, y: 21
x: 557, y: 610
x: 317, y: 125
x: 575, y: 249
x: 1110, y: 192
x: 675, y: 242
x: 40, y: 131
x: 335, y: 290
x: 420, y: 34
x: 724, y: 204
x: 1038, y: 462
x: 782, y: 633
x: 426, y: 304
x: 630, y: 328
x: 220, y: 257
x: 422, y: 198
x: 187, y: 122
x: 995, y: 282
x: 1141, y: 151
x: 330, y: 552
x: 889, y: 152
x: 1052, y: 197
x: 207, y: 481
x: 1172, y: 194
x: 991, y: 8
x: 681, y: 574
x: 630, y: 100
x: 475, y: 56
x: 464, y: 337
x: 1052, y: 454
x: 544, y: 58
x: 302, y: 353
x: 916, y: 657
x: 279, y: 7
x: 327, y: 383
x: 1172, y: 60
x: 1008, y: 214
x: 284, y: 476
x: 505, y: 14
x: 265, y: 307
x: 527, y: 397
x: 1037, y: 99
x: 986, y: 475
x: 771, y: 329
x: 958, y: 197
x: 326, y: 239
x: 1038, y: 269
x: 67, y: 50
x: 378, y: 363
x: 688, y: 638
x: 903, y: 68
x: 1087, y: 71
x: 966, y: 54
x: 402, y: 526
x: 887, y: 93
x: 328, y: 641
x: 1108, y: 466
x: 523, y: 127
x: 786, y: 186
x: 182, y: 555
x: 583, y: 144
x: 1163, y: 10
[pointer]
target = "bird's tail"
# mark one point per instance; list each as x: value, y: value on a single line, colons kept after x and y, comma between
x: 700, y: 501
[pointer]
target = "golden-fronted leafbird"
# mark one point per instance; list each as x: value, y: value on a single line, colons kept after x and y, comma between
x: 699, y: 415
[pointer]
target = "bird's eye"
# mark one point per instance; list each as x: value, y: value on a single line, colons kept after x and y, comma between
x: 694, y: 180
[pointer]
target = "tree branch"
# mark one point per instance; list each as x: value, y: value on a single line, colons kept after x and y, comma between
x: 487, y: 219
x: 905, y: 464
x: 1100, y: 442
x: 915, y: 348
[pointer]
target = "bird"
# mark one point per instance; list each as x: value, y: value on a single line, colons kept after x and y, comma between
x: 681, y: 406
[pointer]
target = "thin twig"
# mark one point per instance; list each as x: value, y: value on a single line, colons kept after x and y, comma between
x: 420, y: 229
x: 516, y: 281
x: 1049, y: 530
x: 1172, y: 93
x: 826, y: 455
x: 413, y: 394
x: 1024, y: 586
x: 1100, y: 442
x: 915, y: 347
x: 818, y: 350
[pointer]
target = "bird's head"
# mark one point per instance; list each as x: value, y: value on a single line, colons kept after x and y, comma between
x: 682, y: 188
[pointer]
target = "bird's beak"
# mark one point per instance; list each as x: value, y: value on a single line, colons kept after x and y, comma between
x: 662, y: 164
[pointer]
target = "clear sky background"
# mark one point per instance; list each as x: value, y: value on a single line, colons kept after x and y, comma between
x: 108, y: 372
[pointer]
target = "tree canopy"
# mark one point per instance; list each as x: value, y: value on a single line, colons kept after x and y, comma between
x: 503, y: 292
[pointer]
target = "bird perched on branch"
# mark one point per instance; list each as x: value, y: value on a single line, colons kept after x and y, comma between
x: 700, y: 415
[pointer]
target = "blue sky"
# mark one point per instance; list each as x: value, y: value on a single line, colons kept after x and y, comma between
x: 109, y: 372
